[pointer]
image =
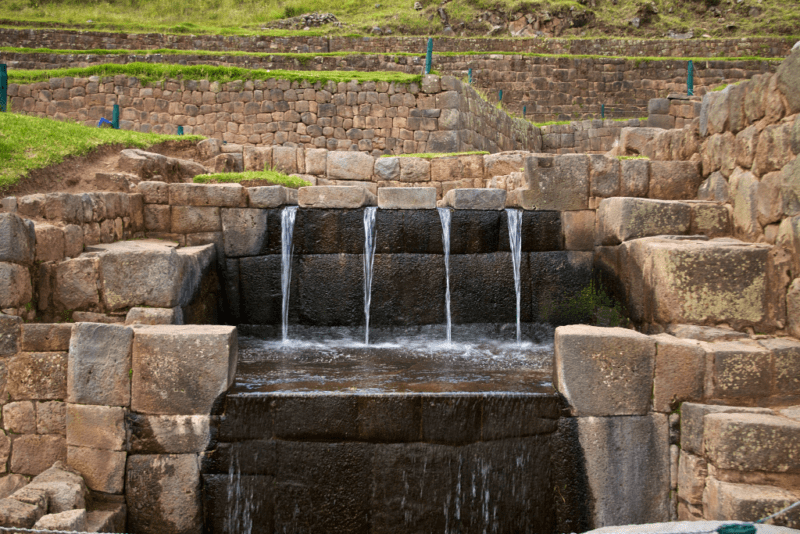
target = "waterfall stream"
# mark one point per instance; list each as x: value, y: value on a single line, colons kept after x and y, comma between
x: 369, y: 258
x: 515, y: 241
x: 288, y: 216
x: 444, y: 216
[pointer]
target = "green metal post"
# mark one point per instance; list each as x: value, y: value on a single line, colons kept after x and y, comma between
x: 429, y: 56
x: 524, y: 111
x: 500, y: 96
x: 180, y: 130
x: 690, y: 79
x: 602, y: 111
x: 115, y: 117
x: 3, y: 88
x: 470, y: 76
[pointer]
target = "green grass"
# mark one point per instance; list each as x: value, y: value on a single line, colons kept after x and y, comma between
x: 149, y: 73
x: 631, y: 157
x: 432, y: 155
x: 270, y: 175
x: 28, y: 143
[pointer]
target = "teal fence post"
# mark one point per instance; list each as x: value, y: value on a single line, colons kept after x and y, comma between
x: 500, y: 96
x: 115, y: 117
x: 524, y: 111
x: 690, y: 80
x: 3, y: 88
x: 470, y: 76
x: 429, y: 56
x: 180, y: 130
x: 602, y: 111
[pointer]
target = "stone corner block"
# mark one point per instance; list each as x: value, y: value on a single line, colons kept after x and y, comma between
x: 98, y: 369
x: 335, y: 197
x: 407, y: 198
x: 476, y: 199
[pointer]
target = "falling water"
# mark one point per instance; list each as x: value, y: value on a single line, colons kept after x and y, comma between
x: 287, y: 230
x: 444, y: 216
x: 241, y: 504
x: 369, y: 257
x: 515, y: 239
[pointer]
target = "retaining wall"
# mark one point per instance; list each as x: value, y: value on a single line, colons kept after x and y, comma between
x: 440, y: 115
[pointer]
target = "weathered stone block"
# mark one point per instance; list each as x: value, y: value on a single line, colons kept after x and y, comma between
x: 218, y: 195
x: 501, y: 164
x: 51, y: 418
x: 387, y: 169
x: 139, y: 316
x: 76, y: 283
x: 99, y: 365
x: 350, y: 166
x: 17, y: 239
x: 15, y: 285
x: 316, y: 161
x: 37, y: 376
x: 692, y: 472
x: 14, y: 513
x: 621, y: 219
x: 19, y: 417
x: 710, y: 219
x: 49, y: 243
x: 407, y: 198
x: 634, y: 177
x: 244, y: 231
x: 738, y: 369
x: 96, y: 427
x: 181, y: 370
x: 475, y: 199
x: 331, y: 196
x: 785, y: 365
x: 679, y: 373
x: 284, y: 159
x: 744, y: 502
x: 103, y: 470
x: 578, y: 228
x: 752, y: 442
x: 190, y: 219
x: 176, y: 434
x: 603, y: 371
x: 557, y: 182
x: 33, y: 454
x: 774, y: 149
x: 72, y: 520
x: 10, y: 334
x: 272, y: 196
x: 63, y: 207
x: 11, y: 483
x: 163, y: 494
x: 256, y: 158
x: 154, y: 192
x: 693, y: 423
x: 673, y: 180
x: 604, y: 176
x: 618, y: 452
x: 64, y: 487
x: 788, y: 76
x: 45, y: 337
x: 157, y: 218
x: 414, y: 170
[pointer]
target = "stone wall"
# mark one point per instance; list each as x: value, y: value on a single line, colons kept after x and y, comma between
x: 549, y: 88
x: 438, y: 115
x: 87, y: 40
x: 585, y: 137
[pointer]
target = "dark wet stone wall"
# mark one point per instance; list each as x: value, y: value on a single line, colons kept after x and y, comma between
x: 409, y: 281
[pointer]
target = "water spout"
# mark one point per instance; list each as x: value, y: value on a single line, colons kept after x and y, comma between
x: 369, y: 258
x: 288, y: 216
x: 515, y: 240
x: 444, y: 216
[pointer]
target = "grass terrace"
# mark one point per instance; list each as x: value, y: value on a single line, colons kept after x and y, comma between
x: 265, y: 177
x: 28, y: 143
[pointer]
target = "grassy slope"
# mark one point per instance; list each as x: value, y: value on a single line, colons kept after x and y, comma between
x: 28, y: 143
x: 611, y: 19
x: 268, y: 175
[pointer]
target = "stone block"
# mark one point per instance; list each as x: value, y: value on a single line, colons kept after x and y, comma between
x: 336, y: 197
x: 272, y: 196
x: 208, y: 148
x: 284, y: 159
x: 557, y: 182
x: 64, y: 487
x: 793, y: 308
x: 604, y: 371
x: 679, y: 372
x: 33, y: 454
x: 788, y: 75
x: 744, y: 197
x: 191, y: 219
x: 19, y: 417
x: 71, y: 520
x: 63, y: 207
x: 46, y: 337
x: 10, y: 334
x: 578, y: 228
x: 73, y: 240
x: 106, y: 520
x: 157, y: 218
x: 664, y: 122
x: 673, y: 180
x: 710, y: 219
x: 17, y: 239
x: 745, y: 502
x: 15, y: 285
x: 201, y: 195
x: 51, y: 418
x: 774, y: 149
x: 11, y: 483
x: 103, y: 470
x: 752, y: 442
x: 37, y: 376
x: 444, y: 141
x: 502, y: 164
x: 76, y: 283
x: 99, y: 365
x: 139, y: 316
x: 693, y: 423
x: 244, y: 231
x: 690, y: 281
x: 692, y: 472
x: 622, y: 219
x: 619, y: 452
x: 475, y: 199
x: 18, y: 514
x: 154, y: 192
x: 415, y: 170
x: 350, y: 166
x: 96, y: 427
x: 163, y: 494
x: 49, y: 243
x: 738, y: 369
x: 181, y: 370
x: 790, y: 187
x: 658, y: 106
x: 604, y: 176
x: 256, y: 158
x: 387, y: 169
x: 316, y: 161
x: 174, y: 434
x: 785, y: 365
x: 635, y: 140
x: 407, y: 198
